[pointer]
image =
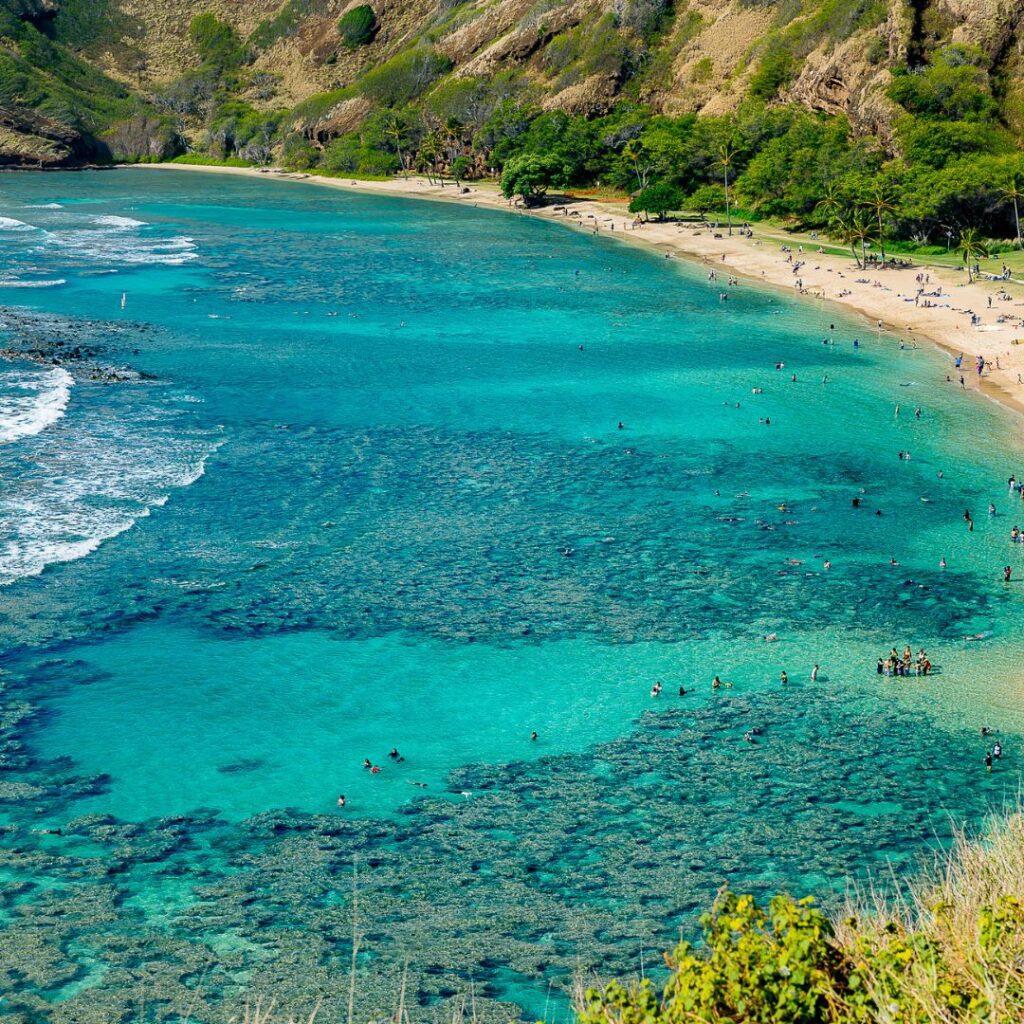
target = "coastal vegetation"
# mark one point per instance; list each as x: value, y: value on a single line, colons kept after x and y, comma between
x: 950, y: 953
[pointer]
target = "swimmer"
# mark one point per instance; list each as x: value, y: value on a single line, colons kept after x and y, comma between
x: 942, y: 562
x: 991, y: 509
x: 656, y: 690
x: 375, y: 770
x: 997, y: 751
x: 827, y: 564
x: 341, y: 800
x: 814, y: 674
x: 395, y: 755
x: 367, y: 763
x: 771, y: 638
x: 682, y: 691
x: 622, y: 426
x: 716, y: 683
x: 533, y: 737
x: 783, y: 678
x: 988, y: 761
x: 1007, y: 571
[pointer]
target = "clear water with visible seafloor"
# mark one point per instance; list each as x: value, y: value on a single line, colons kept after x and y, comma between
x: 321, y: 474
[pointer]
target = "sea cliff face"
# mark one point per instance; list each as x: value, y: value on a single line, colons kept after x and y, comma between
x: 702, y: 56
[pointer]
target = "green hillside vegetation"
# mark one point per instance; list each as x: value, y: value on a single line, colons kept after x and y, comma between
x: 950, y: 955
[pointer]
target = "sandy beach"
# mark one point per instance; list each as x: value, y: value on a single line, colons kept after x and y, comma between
x: 885, y: 296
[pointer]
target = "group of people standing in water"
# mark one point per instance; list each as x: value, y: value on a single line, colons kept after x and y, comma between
x: 906, y: 664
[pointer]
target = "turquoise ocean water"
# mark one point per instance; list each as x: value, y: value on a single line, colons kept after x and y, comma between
x: 318, y: 475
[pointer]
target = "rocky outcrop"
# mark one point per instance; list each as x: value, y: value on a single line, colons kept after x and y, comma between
x: 28, y: 140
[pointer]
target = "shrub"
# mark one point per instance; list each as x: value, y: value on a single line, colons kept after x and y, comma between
x: 776, y: 70
x: 406, y: 76
x: 217, y: 43
x: 358, y: 27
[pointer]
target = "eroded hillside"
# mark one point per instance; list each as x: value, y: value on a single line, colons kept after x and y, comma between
x: 583, y: 56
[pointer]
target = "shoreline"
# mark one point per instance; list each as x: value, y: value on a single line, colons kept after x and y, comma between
x: 884, y: 296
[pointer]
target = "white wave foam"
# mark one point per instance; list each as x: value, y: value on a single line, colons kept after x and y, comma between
x: 120, y: 245
x: 56, y: 282
x: 115, y: 462
x: 10, y: 224
x: 44, y: 206
x: 19, y: 560
x: 31, y: 401
x: 121, y: 223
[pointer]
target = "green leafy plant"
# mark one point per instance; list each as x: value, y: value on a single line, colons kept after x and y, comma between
x: 359, y: 26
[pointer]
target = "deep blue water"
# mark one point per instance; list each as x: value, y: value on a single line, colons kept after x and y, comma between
x: 319, y: 475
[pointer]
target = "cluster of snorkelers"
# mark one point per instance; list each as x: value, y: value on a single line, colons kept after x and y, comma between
x: 906, y: 664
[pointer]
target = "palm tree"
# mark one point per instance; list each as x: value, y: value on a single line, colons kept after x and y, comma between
x: 879, y: 203
x: 1013, y: 193
x: 634, y: 152
x: 856, y: 229
x: 726, y: 154
x: 972, y: 248
x: 396, y: 127
x: 831, y: 204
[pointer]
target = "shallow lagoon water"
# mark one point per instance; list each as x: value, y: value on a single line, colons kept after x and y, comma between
x: 331, y: 517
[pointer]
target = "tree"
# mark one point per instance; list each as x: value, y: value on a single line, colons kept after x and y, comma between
x: 635, y: 153
x: 831, y: 204
x: 707, y: 197
x: 1012, y: 193
x: 530, y: 175
x: 726, y: 154
x: 657, y: 198
x: 879, y: 203
x: 972, y: 249
x: 856, y: 228
x: 460, y: 166
x: 396, y: 128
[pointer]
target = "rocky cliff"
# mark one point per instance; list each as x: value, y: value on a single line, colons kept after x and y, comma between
x: 581, y: 55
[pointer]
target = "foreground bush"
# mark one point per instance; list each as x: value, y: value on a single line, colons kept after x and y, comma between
x: 953, y: 953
